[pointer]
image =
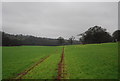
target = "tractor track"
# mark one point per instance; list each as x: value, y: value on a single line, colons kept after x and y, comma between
x: 61, y: 67
x: 21, y: 75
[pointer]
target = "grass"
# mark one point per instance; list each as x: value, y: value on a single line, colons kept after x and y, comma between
x: 93, y: 61
x: 47, y: 69
x: 0, y: 63
x: 17, y: 59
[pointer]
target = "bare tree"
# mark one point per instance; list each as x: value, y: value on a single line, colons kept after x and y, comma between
x: 61, y: 40
x: 71, y: 39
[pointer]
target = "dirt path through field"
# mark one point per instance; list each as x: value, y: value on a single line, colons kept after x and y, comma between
x: 62, y: 73
x: 61, y: 67
x: 32, y: 67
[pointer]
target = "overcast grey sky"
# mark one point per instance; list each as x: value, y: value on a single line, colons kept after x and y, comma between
x: 54, y: 19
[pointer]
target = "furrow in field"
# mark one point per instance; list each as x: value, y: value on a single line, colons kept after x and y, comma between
x: 61, y: 67
x: 32, y: 67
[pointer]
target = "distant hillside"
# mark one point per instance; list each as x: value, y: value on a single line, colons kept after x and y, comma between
x: 0, y: 38
x: 17, y: 40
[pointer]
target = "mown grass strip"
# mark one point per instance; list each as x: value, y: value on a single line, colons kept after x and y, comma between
x: 47, y: 69
x: 32, y: 67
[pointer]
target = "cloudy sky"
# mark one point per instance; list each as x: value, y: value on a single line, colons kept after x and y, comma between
x: 54, y: 19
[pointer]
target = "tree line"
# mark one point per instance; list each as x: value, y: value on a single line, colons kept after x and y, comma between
x: 94, y: 34
x: 18, y: 40
x: 98, y: 34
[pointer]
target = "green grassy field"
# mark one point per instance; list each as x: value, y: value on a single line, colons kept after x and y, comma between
x: 92, y: 61
x: 46, y: 70
x: 17, y: 59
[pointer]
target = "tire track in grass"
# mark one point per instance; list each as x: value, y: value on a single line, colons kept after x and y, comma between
x: 32, y: 67
x: 62, y: 74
